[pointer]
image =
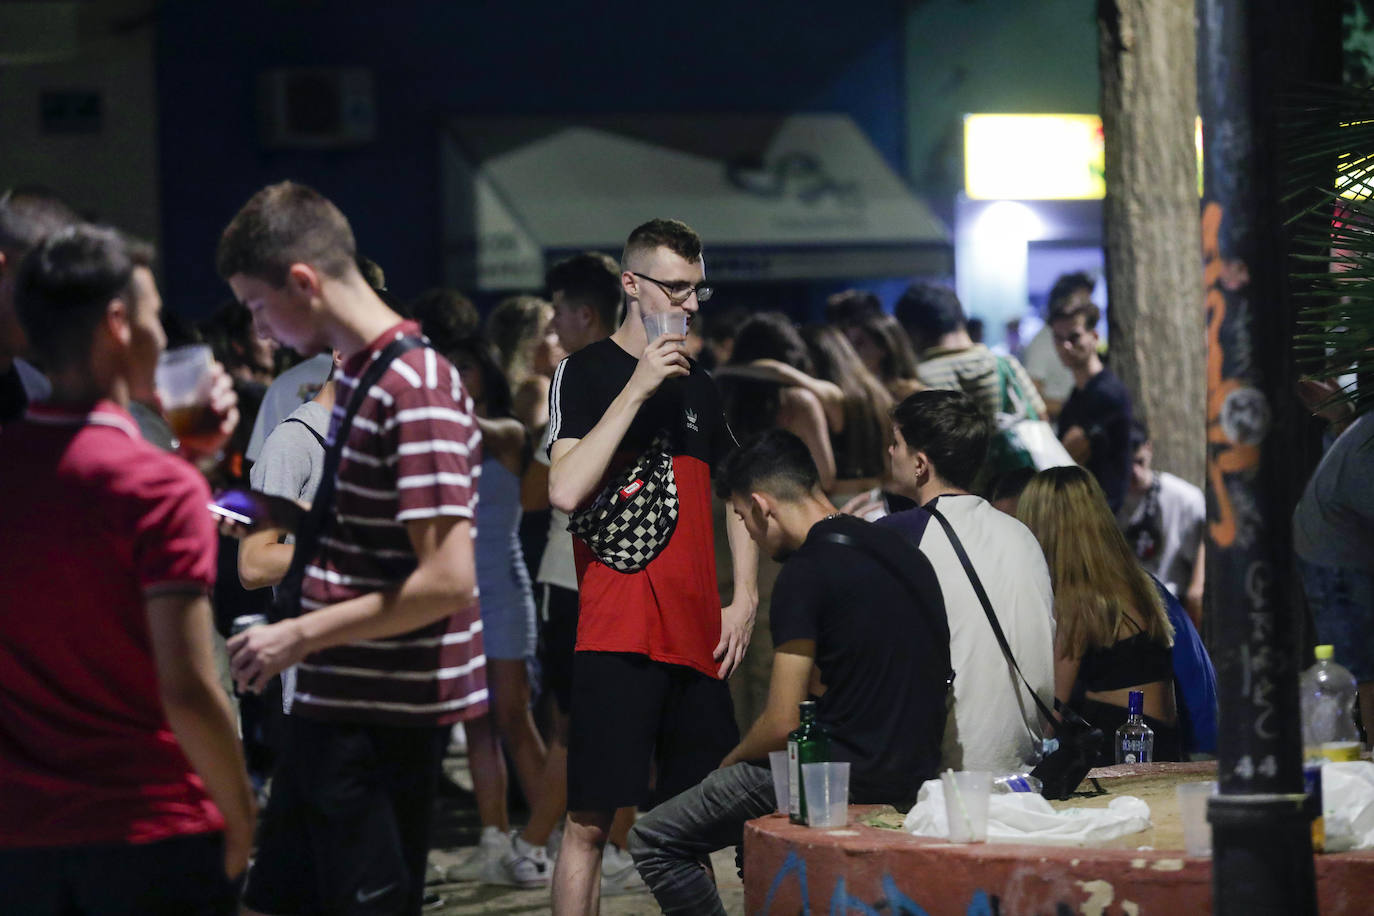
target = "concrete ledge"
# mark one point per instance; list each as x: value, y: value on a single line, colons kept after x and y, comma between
x: 791, y: 869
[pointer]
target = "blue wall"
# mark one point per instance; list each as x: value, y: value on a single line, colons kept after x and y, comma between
x: 431, y: 59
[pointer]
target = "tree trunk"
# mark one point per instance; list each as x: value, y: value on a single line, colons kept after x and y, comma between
x: 1147, y: 54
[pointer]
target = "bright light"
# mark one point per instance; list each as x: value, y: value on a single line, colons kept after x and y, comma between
x: 1040, y: 157
x: 1008, y: 222
x: 1034, y: 157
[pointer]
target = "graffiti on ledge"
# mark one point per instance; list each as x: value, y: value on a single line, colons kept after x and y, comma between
x: 894, y: 902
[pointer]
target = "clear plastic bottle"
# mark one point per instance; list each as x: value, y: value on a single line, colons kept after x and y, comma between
x: 1328, y: 710
x: 1135, y: 741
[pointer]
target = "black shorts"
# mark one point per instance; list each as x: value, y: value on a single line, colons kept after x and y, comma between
x: 346, y: 829
x: 177, y: 877
x: 629, y: 711
x: 557, y: 640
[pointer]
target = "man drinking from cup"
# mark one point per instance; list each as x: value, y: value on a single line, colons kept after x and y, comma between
x: 653, y: 642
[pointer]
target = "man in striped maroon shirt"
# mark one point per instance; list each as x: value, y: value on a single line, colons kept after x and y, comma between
x: 388, y: 640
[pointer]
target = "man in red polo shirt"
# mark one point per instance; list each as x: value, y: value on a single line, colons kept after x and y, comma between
x: 122, y: 782
x: 654, y: 645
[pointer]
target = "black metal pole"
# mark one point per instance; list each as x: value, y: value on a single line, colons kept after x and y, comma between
x: 1262, y: 851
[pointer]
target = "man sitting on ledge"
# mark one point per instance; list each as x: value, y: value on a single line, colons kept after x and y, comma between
x: 858, y: 619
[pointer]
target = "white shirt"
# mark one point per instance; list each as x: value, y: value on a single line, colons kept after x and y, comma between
x: 1043, y: 364
x: 288, y: 391
x: 995, y: 725
x: 1182, y: 516
x: 556, y: 566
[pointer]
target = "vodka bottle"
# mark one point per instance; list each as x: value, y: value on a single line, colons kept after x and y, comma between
x: 1135, y: 741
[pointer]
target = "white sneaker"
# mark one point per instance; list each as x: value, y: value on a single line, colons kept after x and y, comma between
x: 618, y: 873
x: 523, y: 865
x: 555, y: 841
x: 482, y: 858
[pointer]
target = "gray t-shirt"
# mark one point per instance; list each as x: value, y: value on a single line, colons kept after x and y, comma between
x: 294, y: 387
x: 292, y: 460
x: 1333, y: 524
x: 290, y: 464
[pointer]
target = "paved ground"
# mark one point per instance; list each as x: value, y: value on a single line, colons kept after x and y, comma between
x: 475, y: 898
x: 456, y: 827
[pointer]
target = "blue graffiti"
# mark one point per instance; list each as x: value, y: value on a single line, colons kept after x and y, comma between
x: 793, y: 863
x: 843, y: 903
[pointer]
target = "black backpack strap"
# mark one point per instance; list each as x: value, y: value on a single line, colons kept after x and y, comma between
x: 316, y: 522
x: 308, y: 428
x: 987, y: 606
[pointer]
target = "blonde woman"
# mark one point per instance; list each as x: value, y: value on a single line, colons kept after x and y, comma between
x: 521, y: 329
x: 1113, y: 634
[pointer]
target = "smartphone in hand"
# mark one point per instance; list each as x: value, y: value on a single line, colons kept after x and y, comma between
x: 251, y: 509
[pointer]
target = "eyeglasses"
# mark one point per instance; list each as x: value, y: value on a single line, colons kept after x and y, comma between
x: 679, y: 292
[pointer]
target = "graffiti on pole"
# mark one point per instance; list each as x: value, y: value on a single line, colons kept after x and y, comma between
x: 1238, y: 414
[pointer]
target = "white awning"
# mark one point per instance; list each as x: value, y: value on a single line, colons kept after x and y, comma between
x: 773, y: 198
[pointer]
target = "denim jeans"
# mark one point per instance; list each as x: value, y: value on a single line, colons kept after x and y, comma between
x: 1342, y: 602
x: 671, y: 844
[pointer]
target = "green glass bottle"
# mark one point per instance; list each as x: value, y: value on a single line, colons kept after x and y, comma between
x: 809, y: 743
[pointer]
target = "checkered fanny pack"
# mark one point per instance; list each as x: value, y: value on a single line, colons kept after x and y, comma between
x: 632, y: 518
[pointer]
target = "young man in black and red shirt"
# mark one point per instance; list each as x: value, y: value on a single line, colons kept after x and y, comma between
x: 653, y: 646
x: 388, y: 642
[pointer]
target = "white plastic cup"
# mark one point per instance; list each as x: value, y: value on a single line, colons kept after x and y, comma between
x: 777, y: 760
x: 827, y: 793
x: 966, y: 804
x: 1192, y: 810
x: 660, y: 323
x: 183, y: 375
x: 183, y: 383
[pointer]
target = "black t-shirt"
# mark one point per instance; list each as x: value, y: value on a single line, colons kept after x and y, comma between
x: 689, y: 407
x: 882, y: 649
x: 13, y: 399
x: 1103, y: 408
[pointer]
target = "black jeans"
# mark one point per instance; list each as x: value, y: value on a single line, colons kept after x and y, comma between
x: 672, y: 843
x: 176, y: 877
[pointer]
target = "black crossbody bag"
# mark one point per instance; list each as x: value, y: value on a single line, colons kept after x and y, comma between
x: 313, y: 526
x: 1062, y: 771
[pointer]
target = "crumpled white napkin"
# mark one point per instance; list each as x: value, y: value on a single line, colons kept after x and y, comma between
x: 1348, y: 805
x: 1025, y: 817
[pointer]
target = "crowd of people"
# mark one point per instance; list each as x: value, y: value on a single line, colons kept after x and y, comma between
x: 619, y: 562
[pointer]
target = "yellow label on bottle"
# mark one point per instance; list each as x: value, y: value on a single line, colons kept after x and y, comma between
x: 1340, y: 751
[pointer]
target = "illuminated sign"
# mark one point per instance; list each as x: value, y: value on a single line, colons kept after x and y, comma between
x: 1039, y: 157
x: 1034, y: 157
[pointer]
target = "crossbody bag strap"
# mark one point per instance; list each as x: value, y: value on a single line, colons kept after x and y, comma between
x: 844, y: 540
x: 308, y: 428
x: 316, y: 522
x: 987, y: 606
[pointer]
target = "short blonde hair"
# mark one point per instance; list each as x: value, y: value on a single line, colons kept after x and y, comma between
x: 1095, y: 576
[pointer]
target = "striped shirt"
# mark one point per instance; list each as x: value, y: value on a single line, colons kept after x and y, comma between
x: 413, y: 452
x: 974, y: 372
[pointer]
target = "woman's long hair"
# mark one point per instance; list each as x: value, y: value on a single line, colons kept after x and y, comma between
x: 516, y: 327
x: 752, y: 406
x: 1095, y: 576
x: 898, y: 361
x: 861, y: 450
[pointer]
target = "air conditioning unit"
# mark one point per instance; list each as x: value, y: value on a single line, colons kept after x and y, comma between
x: 316, y: 108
